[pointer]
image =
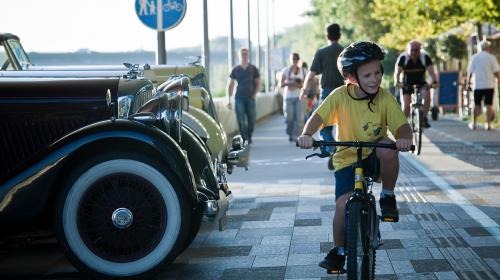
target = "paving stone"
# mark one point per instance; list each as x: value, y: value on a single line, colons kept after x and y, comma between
x: 401, y: 267
x: 307, y: 222
x: 386, y: 277
x: 446, y: 275
x: 408, y: 254
x: 391, y: 244
x: 477, y: 231
x: 305, y: 248
x: 487, y: 252
x: 218, y: 251
x: 320, y: 236
x: 325, y: 247
x: 430, y: 265
x: 267, y: 224
x: 422, y: 242
x: 436, y: 253
x: 263, y: 273
x: 304, y: 271
x: 261, y: 232
x: 225, y: 262
x: 264, y: 205
x: 288, y: 210
x: 324, y: 208
x: 417, y: 276
x: 276, y: 240
x: 304, y: 259
x: 263, y: 250
x: 270, y: 261
x: 383, y: 267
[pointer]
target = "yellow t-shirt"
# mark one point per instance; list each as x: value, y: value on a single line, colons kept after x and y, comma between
x: 355, y: 122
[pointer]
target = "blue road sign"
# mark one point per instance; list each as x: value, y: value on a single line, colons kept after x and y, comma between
x: 160, y: 15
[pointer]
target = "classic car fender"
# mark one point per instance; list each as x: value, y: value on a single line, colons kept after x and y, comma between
x: 201, y: 163
x: 42, y: 180
x: 217, y: 139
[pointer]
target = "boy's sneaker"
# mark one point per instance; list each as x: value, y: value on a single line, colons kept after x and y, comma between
x: 390, y: 212
x: 333, y: 262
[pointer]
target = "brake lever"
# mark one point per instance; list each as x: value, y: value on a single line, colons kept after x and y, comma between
x: 322, y: 155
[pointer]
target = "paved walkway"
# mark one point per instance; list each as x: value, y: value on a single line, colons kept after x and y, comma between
x: 280, y: 221
x: 281, y: 218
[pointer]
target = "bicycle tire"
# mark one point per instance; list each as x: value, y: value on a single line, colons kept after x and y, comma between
x: 416, y: 123
x: 354, y: 240
x: 371, y: 244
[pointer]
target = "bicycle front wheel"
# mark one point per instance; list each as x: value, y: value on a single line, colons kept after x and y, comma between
x: 354, y: 236
x: 416, y: 123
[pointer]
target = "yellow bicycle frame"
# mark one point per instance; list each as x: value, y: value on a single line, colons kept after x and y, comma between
x: 358, y: 179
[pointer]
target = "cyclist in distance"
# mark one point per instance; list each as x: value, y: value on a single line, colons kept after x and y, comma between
x: 414, y: 63
x: 362, y: 111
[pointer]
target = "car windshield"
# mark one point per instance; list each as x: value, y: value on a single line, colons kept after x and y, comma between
x: 19, y: 53
x: 4, y: 59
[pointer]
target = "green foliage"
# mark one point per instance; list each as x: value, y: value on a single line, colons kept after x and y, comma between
x: 300, y: 39
x: 453, y: 46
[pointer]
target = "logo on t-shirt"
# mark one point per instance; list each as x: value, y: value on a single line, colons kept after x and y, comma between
x: 372, y: 129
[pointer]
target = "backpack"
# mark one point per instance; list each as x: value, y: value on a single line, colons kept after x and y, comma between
x: 422, y: 58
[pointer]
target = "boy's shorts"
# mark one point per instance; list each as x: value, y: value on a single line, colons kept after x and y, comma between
x: 344, y: 178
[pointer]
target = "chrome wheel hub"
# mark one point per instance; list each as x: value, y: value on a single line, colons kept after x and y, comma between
x: 122, y: 218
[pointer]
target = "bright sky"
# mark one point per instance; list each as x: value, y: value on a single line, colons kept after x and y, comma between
x: 112, y: 25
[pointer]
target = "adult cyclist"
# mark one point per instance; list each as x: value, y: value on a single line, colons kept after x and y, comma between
x: 414, y: 63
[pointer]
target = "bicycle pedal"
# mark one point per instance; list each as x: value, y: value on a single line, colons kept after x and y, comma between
x: 336, y: 272
x: 390, y: 219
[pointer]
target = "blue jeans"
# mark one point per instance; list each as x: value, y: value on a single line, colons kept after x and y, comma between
x: 245, y: 115
x: 293, y: 112
x: 326, y: 132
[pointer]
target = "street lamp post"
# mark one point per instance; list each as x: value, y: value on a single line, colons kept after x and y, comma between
x: 206, y: 44
x: 230, y: 58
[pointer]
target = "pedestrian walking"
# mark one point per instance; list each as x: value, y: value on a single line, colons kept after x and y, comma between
x: 247, y: 79
x: 324, y: 63
x: 292, y: 79
x: 311, y: 95
x: 483, y: 67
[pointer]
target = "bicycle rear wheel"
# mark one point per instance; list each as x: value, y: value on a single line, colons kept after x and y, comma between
x: 370, y: 243
x: 354, y: 236
x: 416, y: 123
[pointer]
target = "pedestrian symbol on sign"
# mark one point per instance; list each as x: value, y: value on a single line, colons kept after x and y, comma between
x: 160, y: 14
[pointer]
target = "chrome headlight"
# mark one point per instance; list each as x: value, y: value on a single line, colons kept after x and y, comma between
x: 124, y: 103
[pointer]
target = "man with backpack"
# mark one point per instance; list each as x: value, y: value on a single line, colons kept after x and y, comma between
x: 414, y: 63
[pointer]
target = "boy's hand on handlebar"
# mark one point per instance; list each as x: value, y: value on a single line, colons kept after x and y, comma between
x: 403, y: 144
x: 305, y: 141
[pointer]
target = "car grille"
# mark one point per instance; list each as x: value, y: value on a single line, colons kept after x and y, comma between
x: 141, y: 98
x: 23, y: 140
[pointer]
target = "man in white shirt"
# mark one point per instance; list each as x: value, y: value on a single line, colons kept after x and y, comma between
x: 485, y: 68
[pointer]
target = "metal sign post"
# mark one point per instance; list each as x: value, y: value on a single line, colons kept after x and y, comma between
x: 161, y: 15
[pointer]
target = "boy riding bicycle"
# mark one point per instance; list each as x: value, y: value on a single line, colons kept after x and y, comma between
x: 362, y: 111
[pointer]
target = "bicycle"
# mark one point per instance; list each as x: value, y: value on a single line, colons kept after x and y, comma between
x: 416, y: 113
x: 362, y: 221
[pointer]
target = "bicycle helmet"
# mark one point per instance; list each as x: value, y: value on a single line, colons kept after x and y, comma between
x: 357, y: 54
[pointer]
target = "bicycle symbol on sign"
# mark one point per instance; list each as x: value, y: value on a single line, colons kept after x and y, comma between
x: 172, y: 5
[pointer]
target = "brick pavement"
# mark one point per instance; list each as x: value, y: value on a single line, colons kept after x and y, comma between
x: 280, y: 221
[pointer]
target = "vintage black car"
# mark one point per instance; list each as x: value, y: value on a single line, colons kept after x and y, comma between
x: 108, y: 166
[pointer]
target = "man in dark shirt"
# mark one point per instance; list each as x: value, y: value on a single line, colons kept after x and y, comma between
x: 247, y: 78
x: 325, y: 63
x: 414, y: 64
